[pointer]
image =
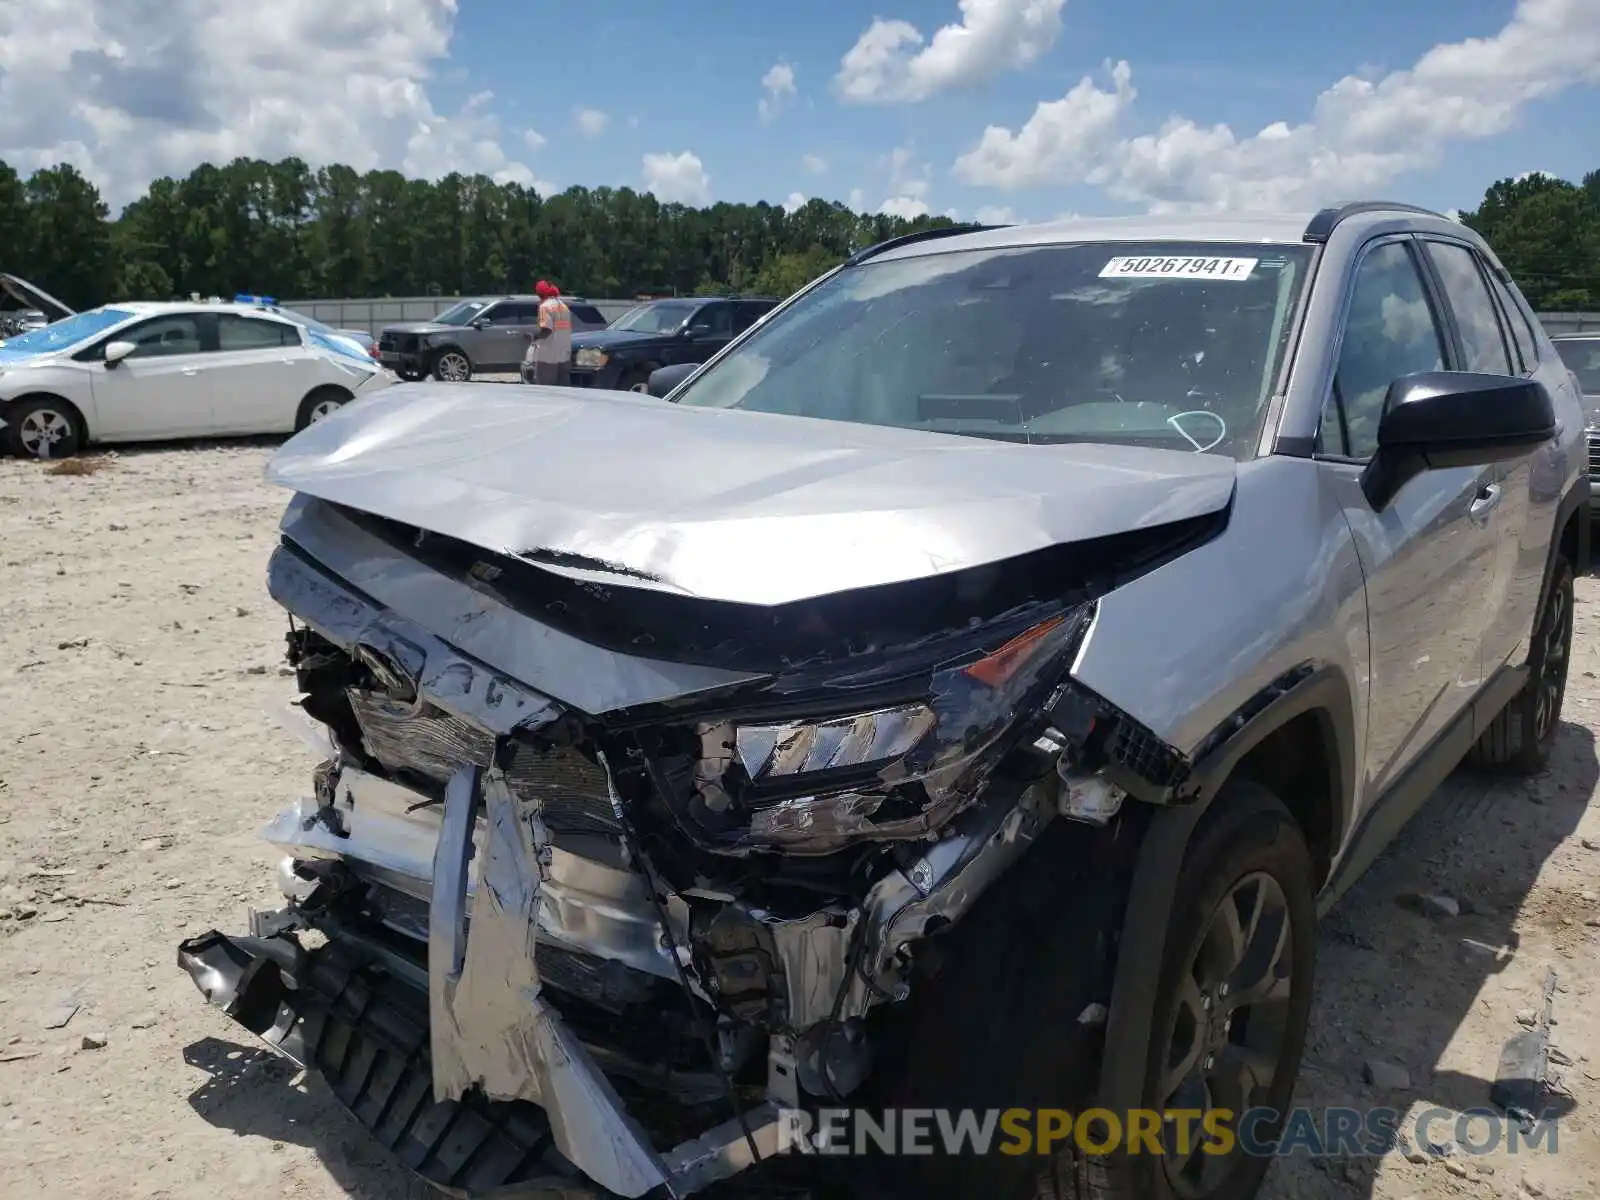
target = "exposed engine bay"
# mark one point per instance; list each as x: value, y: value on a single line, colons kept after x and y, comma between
x: 635, y: 923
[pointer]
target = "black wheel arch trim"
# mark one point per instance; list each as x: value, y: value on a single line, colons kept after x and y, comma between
x: 1322, y: 690
x: 1574, y: 503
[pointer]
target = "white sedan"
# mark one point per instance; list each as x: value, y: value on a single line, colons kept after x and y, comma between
x: 144, y: 372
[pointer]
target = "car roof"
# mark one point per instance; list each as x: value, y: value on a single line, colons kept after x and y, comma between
x: 1267, y: 228
x: 156, y: 308
x: 1592, y: 335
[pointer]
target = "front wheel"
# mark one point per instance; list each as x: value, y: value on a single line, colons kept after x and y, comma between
x: 451, y: 366
x: 637, y: 380
x: 1012, y: 1026
x: 1519, y: 740
x: 45, y: 428
x: 323, y: 402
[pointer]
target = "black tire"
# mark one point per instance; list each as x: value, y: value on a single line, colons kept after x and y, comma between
x: 636, y: 380
x: 45, y: 428
x: 320, y: 403
x: 1519, y: 740
x: 443, y: 365
x: 1006, y: 1029
x: 411, y: 374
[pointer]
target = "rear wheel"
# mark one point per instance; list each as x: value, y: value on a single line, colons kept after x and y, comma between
x: 451, y: 366
x: 1519, y: 740
x: 45, y: 428
x: 323, y: 402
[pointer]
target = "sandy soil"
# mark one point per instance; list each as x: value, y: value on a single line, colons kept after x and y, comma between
x: 140, y: 661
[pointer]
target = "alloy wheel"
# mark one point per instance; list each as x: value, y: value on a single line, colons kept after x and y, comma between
x: 453, y: 367
x: 1231, y: 1025
x: 42, y: 431
x: 1552, y: 679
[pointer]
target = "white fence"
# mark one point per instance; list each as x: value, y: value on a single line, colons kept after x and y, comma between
x: 373, y: 315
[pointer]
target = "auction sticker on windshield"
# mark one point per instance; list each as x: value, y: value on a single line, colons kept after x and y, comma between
x: 1152, y: 267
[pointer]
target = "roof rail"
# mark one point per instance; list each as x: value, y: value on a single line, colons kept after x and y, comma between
x: 908, y: 239
x: 1321, y: 226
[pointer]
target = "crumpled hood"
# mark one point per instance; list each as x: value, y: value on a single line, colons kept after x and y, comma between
x: 723, y: 504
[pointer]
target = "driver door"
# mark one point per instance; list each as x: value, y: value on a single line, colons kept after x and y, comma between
x: 161, y: 390
x: 709, y: 331
x: 1429, y: 553
x: 502, y: 341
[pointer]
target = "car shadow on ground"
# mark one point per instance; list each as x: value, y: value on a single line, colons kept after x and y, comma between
x: 1395, y: 982
x: 1394, y: 985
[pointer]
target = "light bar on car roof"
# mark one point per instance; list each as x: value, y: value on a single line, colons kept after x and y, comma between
x: 264, y: 301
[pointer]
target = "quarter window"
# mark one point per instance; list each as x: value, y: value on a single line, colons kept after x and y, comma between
x: 1391, y: 332
x: 247, y: 333
x: 1482, y: 341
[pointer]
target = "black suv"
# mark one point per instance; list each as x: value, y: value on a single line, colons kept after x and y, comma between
x: 661, y: 333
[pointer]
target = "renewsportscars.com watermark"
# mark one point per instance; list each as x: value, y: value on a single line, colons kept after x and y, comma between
x: 1315, y: 1133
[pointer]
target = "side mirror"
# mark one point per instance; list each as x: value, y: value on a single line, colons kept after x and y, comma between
x: 665, y: 379
x: 480, y: 323
x: 117, y: 351
x: 697, y: 331
x: 1442, y: 419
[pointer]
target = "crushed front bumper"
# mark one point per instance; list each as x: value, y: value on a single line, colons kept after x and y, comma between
x: 366, y: 1035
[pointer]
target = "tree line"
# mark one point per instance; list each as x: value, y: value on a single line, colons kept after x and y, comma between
x: 287, y: 230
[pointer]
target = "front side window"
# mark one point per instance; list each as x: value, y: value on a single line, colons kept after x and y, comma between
x: 1391, y: 332
x: 163, y: 336
x: 1469, y: 298
x: 513, y: 312
x: 247, y: 333
x: 714, y: 320
x: 1162, y: 344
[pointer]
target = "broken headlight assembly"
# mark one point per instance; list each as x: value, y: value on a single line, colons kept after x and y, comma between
x: 888, y: 771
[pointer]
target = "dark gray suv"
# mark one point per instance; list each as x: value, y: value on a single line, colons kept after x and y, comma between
x: 959, y: 697
x: 474, y: 336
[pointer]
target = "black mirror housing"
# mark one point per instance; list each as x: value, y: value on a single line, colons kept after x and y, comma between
x: 1441, y: 419
x: 665, y: 379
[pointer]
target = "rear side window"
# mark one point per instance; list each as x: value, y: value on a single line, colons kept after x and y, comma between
x: 1482, y: 340
x: 1517, y: 321
x: 1391, y: 332
x: 586, y: 313
x: 246, y: 333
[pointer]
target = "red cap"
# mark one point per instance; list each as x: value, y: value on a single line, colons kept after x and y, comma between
x: 543, y: 288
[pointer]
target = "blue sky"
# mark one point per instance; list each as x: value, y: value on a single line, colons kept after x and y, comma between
x: 1021, y: 108
x: 691, y: 77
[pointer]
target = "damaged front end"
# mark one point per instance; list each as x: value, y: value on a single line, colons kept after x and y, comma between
x: 596, y: 936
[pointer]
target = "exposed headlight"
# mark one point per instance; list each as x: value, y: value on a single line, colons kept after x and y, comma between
x: 590, y: 358
x: 894, y: 771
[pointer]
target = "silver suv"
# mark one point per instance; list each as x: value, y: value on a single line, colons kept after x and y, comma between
x: 963, y: 693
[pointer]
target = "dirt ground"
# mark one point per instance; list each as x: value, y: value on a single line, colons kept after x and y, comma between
x: 139, y: 662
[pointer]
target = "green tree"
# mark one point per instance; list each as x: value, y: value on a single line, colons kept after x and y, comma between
x: 1547, y: 233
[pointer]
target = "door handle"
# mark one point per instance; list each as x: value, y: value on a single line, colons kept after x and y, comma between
x: 1485, y: 502
x: 191, y: 370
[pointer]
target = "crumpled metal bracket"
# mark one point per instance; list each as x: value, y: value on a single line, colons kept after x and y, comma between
x: 490, y: 1028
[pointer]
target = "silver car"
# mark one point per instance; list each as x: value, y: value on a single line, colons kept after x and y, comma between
x: 961, y: 695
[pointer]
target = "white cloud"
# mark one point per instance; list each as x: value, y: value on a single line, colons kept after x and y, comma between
x: 1364, y: 131
x: 532, y: 139
x: 591, y: 122
x: 795, y: 202
x: 908, y: 184
x: 857, y: 200
x: 127, y: 90
x: 893, y: 63
x: 677, y: 178
x: 991, y: 214
x: 778, y: 86
x: 1060, y: 143
x: 814, y: 164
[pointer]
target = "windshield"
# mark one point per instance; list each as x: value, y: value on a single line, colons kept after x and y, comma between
x: 667, y: 316
x: 1160, y: 344
x: 67, y: 332
x: 311, y: 323
x: 460, y: 314
x: 1582, y: 358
